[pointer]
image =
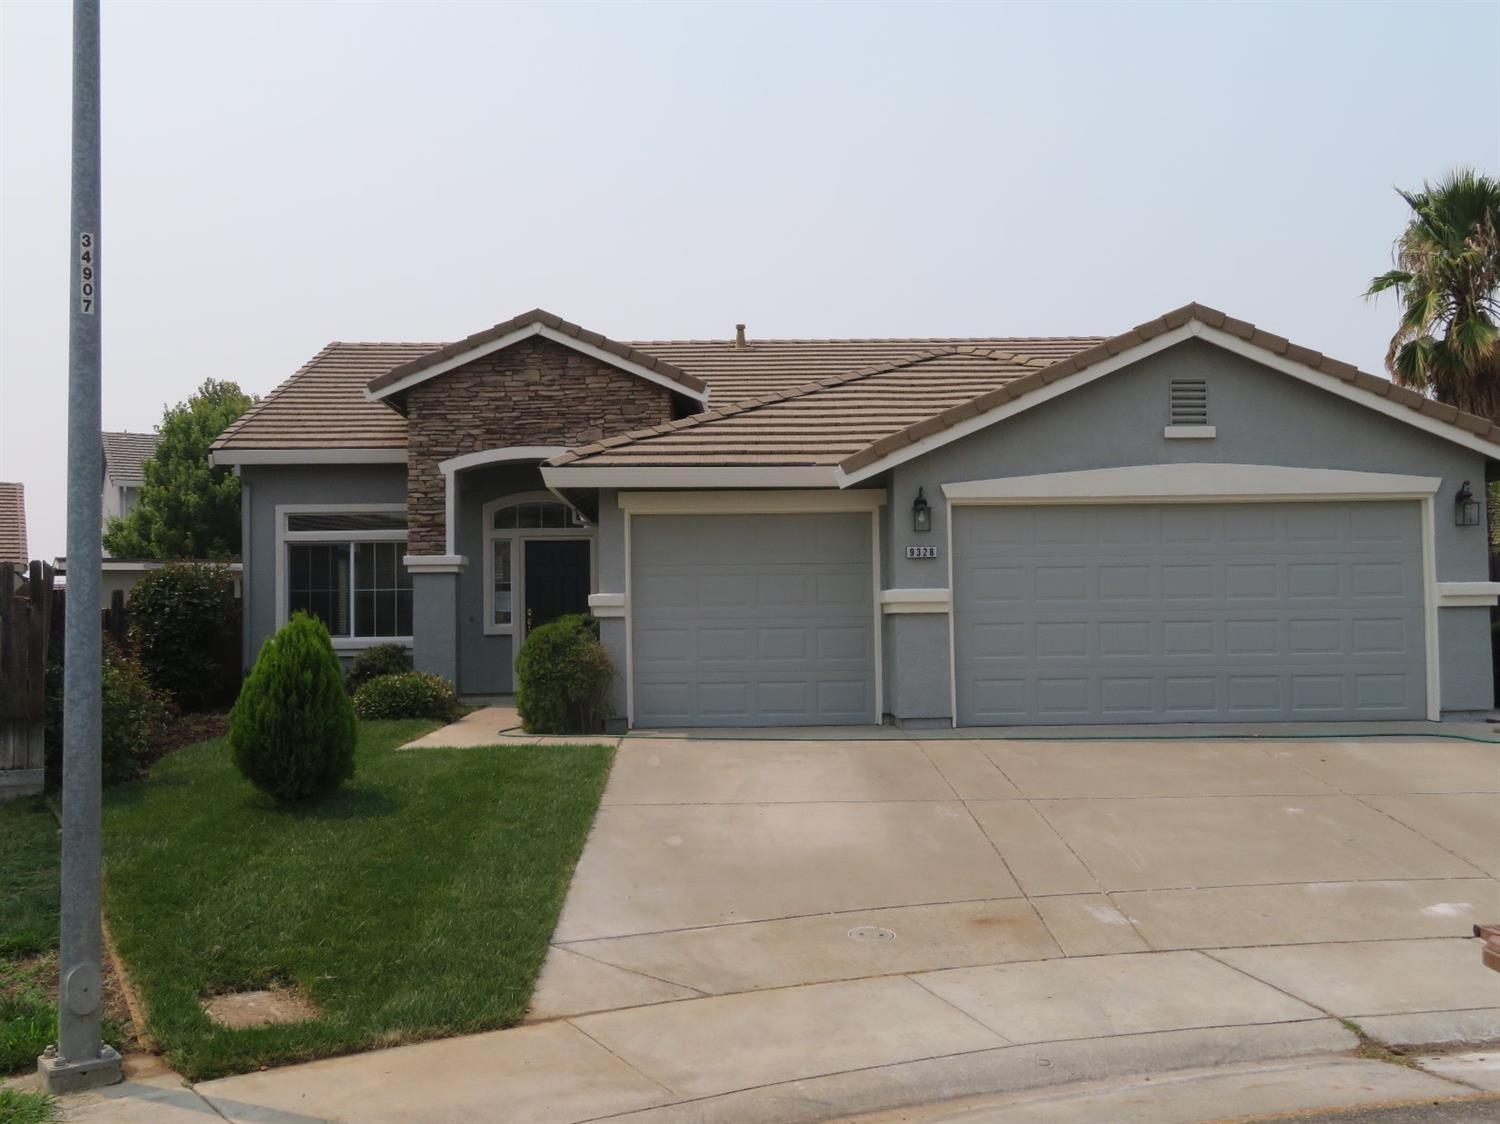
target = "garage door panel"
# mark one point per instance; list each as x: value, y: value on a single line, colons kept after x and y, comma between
x: 1194, y: 618
x: 752, y: 620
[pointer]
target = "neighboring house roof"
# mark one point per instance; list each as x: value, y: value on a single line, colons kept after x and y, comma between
x: 125, y: 453
x: 848, y: 422
x: 537, y: 322
x: 13, y: 523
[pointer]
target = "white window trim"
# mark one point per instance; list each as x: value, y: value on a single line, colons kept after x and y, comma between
x: 756, y: 503
x: 518, y: 537
x: 283, y: 537
x: 1197, y: 483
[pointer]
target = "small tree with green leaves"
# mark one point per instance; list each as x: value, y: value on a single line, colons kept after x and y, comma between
x: 292, y: 730
x: 187, y: 509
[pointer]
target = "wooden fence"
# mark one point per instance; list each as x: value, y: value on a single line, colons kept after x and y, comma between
x: 26, y: 603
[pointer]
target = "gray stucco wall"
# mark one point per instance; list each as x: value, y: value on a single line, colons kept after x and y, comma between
x: 610, y: 546
x: 1262, y: 416
x: 268, y: 486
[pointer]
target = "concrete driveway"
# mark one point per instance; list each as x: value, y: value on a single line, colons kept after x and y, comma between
x: 800, y: 930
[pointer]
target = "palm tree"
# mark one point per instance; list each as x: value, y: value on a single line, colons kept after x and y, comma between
x: 1447, y: 277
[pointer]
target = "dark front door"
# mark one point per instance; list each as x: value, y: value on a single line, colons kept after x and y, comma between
x: 557, y: 579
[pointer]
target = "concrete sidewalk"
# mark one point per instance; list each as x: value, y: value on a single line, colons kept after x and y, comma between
x: 789, y: 931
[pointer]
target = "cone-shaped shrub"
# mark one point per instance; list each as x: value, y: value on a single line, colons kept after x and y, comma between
x: 292, y: 729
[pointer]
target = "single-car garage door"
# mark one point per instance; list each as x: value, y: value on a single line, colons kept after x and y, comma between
x: 752, y: 620
x: 1188, y: 613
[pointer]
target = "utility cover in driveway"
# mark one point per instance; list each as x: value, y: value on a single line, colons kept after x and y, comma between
x: 1188, y: 613
x: 752, y: 620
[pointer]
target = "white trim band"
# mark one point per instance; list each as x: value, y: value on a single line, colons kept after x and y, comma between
x: 1190, y: 432
x: 1459, y: 595
x: 915, y: 600
x: 238, y: 457
x: 604, y: 605
x: 685, y: 476
x: 749, y: 503
x: 1192, y: 483
x: 435, y: 563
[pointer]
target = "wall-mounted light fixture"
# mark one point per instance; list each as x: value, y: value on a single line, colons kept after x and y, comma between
x: 921, y: 513
x: 1465, y: 507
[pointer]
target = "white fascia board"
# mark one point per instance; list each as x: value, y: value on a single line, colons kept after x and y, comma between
x: 566, y: 476
x: 239, y: 457
x: 1332, y: 383
x: 915, y: 600
x: 501, y: 456
x: 535, y: 328
x: 1190, y: 432
x: 1016, y: 406
x: 1192, y: 483
x: 750, y: 503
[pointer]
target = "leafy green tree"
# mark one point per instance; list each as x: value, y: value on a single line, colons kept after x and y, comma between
x: 186, y: 509
x: 1447, y: 277
x: 292, y: 730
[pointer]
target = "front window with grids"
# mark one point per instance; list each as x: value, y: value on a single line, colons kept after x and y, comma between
x: 346, y: 569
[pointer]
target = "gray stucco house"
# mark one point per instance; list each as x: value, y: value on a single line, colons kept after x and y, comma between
x: 1195, y: 520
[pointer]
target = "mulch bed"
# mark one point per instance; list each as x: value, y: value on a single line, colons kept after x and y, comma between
x: 187, y: 729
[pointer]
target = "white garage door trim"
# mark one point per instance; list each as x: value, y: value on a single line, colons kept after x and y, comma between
x: 1211, y: 483
x: 755, y: 503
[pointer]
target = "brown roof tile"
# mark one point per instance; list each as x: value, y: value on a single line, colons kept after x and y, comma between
x: 124, y: 453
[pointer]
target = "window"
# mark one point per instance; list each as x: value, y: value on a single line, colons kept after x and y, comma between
x: 500, y: 602
x: 346, y: 569
x: 540, y: 513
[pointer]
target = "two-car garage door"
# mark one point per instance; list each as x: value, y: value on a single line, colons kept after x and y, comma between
x: 753, y: 619
x: 1188, y: 613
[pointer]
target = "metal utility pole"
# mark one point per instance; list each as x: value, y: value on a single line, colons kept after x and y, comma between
x: 80, y: 1060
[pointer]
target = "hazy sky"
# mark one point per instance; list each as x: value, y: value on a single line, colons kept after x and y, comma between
x: 278, y: 175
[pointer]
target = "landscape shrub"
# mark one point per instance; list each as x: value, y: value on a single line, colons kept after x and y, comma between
x: 563, y: 676
x: 407, y: 694
x: 292, y: 730
x: 184, y: 622
x: 382, y: 659
x: 134, y: 715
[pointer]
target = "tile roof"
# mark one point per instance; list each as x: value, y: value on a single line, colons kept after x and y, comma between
x: 13, y: 522
x: 654, y: 363
x: 822, y: 422
x: 855, y: 421
x: 323, y: 405
x: 124, y: 453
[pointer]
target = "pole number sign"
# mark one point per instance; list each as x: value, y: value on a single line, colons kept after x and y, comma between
x: 921, y: 552
x: 87, y: 276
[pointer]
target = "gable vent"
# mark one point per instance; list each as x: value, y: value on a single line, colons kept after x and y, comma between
x: 1189, y: 402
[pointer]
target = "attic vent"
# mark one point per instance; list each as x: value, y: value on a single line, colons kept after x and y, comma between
x: 1189, y: 402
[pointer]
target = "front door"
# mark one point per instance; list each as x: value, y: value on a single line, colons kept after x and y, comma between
x: 557, y: 579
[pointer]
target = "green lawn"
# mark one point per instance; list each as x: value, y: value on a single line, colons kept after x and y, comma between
x: 28, y: 929
x: 415, y: 903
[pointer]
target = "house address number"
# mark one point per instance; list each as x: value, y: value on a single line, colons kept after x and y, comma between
x: 87, y: 285
x: 921, y: 552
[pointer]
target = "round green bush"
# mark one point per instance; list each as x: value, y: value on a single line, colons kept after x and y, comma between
x: 185, y: 623
x: 563, y: 675
x: 292, y: 729
x: 382, y: 659
x: 407, y: 694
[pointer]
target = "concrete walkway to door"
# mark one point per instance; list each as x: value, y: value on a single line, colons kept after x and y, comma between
x: 781, y: 930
